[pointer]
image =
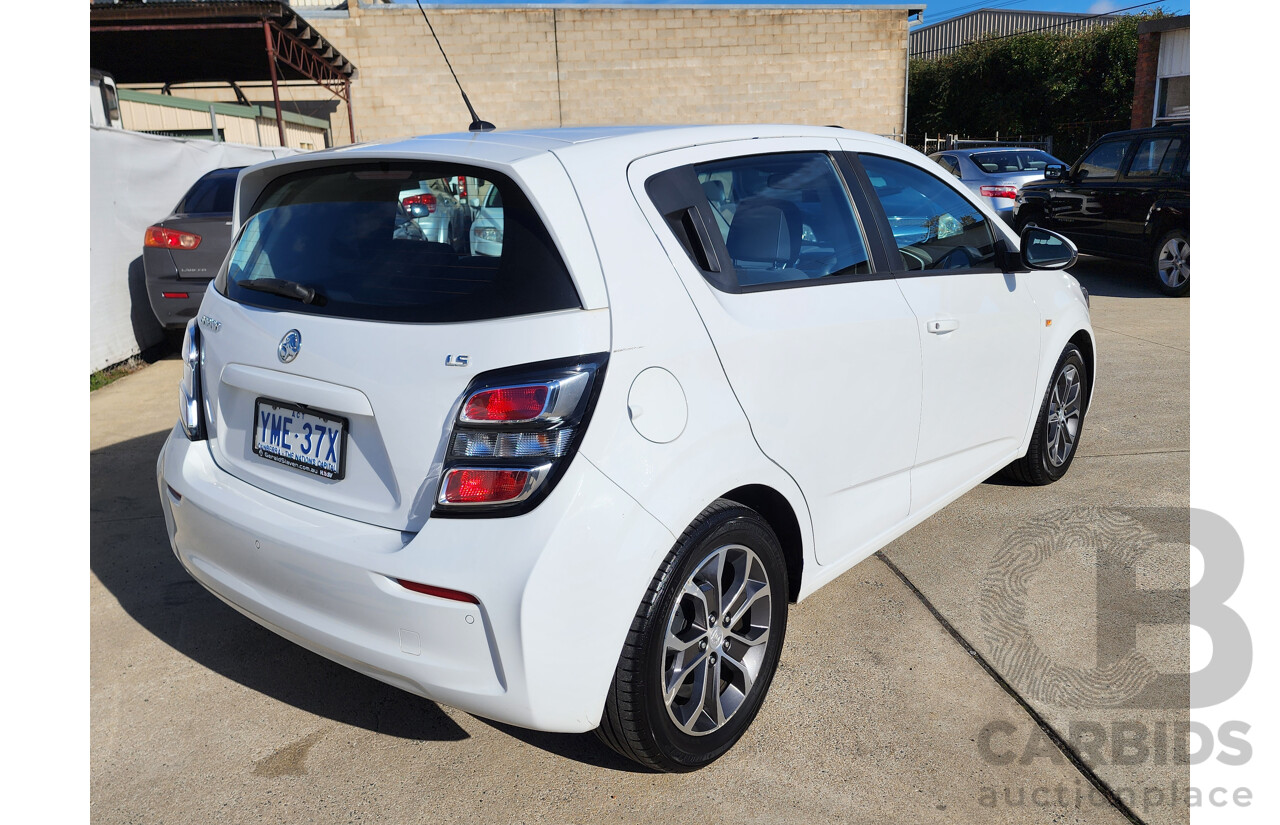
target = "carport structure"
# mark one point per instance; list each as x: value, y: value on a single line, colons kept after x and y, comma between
x: 216, y: 41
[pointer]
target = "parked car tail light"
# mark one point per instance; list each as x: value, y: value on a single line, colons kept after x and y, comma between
x: 462, y: 186
x: 190, y: 391
x: 515, y: 433
x: 428, y: 201
x: 158, y: 236
x: 1009, y: 192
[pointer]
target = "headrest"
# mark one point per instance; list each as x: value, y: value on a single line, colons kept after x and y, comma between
x: 765, y: 229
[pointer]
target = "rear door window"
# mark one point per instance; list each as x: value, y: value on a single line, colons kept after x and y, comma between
x: 392, y: 242
x: 933, y: 225
x: 1149, y: 159
x: 949, y: 163
x: 784, y: 217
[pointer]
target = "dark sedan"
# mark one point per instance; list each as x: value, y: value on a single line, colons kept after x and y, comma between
x: 181, y: 253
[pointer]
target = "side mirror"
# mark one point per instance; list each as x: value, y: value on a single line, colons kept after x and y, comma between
x: 1042, y: 249
x: 1055, y: 171
x: 475, y: 203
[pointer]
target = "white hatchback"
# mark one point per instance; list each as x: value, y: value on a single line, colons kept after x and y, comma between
x: 575, y: 485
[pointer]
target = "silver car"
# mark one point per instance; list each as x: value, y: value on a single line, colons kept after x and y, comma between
x: 996, y: 173
x: 439, y: 208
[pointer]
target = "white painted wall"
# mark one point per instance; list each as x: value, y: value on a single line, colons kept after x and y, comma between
x: 134, y: 181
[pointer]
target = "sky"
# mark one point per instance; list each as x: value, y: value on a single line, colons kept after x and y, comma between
x: 935, y: 10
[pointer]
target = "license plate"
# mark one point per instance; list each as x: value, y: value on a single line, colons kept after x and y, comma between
x: 300, y: 437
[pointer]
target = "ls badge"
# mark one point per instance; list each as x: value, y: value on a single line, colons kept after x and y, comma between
x: 456, y: 360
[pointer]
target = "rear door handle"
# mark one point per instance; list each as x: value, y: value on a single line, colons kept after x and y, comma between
x: 941, y: 326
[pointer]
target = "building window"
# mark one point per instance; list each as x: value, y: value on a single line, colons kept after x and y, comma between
x: 1173, y: 98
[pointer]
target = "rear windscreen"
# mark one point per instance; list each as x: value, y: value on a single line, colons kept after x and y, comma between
x: 427, y: 243
x: 998, y: 163
x: 214, y: 194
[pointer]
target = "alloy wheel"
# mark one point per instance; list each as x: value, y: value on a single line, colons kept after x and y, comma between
x: 1174, y: 263
x: 716, y: 639
x: 1062, y: 425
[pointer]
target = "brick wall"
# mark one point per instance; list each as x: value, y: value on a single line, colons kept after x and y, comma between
x: 573, y: 67
x: 1144, y: 80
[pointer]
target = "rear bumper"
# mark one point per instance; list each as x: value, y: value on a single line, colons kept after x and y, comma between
x: 557, y: 587
x: 1002, y: 207
x: 175, y: 312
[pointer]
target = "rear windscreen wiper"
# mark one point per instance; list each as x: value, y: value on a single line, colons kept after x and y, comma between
x: 286, y: 289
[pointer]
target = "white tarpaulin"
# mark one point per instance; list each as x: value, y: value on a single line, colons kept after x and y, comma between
x: 135, y: 180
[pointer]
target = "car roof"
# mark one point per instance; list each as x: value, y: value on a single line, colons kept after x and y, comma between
x: 513, y: 145
x: 1179, y: 126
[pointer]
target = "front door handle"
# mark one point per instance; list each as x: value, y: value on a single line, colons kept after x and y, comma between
x: 941, y: 326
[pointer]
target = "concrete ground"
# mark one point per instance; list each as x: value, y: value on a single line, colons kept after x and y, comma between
x: 877, y: 714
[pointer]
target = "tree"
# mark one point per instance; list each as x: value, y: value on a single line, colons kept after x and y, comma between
x: 1072, y: 86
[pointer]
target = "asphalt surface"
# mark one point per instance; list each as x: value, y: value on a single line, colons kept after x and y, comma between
x: 883, y: 709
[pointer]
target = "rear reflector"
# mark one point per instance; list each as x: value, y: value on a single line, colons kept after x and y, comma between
x: 473, y: 486
x: 158, y: 236
x: 174, y: 295
x: 1010, y: 192
x: 507, y: 404
x: 439, y: 592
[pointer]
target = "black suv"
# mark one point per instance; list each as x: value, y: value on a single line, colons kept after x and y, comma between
x: 1128, y: 196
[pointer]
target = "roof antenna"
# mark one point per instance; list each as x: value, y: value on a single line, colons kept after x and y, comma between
x: 477, y: 125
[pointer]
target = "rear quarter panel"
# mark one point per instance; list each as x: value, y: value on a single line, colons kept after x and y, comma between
x: 655, y: 324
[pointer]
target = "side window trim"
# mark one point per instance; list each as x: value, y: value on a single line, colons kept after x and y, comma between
x: 898, y: 267
x: 885, y: 257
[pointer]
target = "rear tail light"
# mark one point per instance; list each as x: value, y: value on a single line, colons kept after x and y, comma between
x: 478, y: 485
x: 515, y: 433
x: 190, y: 391
x: 507, y: 404
x: 462, y: 186
x: 428, y: 201
x: 1009, y: 192
x: 158, y: 236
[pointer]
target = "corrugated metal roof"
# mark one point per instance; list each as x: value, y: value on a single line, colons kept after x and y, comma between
x: 938, y: 39
x: 199, y: 40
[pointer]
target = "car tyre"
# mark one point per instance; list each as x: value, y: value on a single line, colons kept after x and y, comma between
x: 1023, y: 221
x: 1056, y: 438
x: 677, y: 701
x: 1171, y: 263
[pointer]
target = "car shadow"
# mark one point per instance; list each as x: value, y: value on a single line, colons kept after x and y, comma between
x: 129, y: 553
x: 580, y: 747
x: 147, y: 330
x: 1115, y: 279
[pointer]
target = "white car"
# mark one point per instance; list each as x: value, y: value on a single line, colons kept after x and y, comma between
x: 579, y: 485
x: 486, y: 230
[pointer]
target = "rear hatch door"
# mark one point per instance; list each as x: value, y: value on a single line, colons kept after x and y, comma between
x: 345, y: 402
